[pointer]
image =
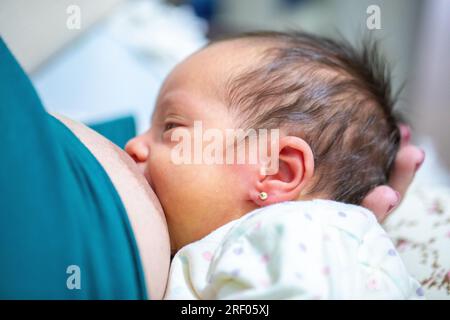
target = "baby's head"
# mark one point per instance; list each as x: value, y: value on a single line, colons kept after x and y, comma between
x: 332, y: 104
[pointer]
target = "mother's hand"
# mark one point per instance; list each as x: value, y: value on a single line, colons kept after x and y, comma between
x: 384, y: 199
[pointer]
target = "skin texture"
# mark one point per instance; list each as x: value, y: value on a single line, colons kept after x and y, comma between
x: 199, y: 198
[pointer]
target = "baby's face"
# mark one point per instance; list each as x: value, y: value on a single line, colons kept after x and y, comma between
x: 196, y: 198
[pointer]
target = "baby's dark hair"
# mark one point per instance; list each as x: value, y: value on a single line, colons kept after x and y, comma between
x: 334, y: 96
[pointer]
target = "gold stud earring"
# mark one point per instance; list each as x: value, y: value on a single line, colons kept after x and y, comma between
x: 263, y: 195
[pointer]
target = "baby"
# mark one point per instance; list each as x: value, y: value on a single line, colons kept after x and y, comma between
x: 299, y: 232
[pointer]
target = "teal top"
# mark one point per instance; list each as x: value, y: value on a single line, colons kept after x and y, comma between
x: 58, y: 207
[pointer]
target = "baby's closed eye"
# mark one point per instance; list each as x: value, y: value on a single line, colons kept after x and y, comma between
x: 170, y: 125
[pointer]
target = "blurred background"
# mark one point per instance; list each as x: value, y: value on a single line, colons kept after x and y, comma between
x: 105, y: 59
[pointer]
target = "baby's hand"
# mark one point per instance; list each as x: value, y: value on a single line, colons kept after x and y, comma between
x: 383, y: 200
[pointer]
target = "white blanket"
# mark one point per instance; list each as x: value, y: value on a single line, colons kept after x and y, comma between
x: 294, y: 250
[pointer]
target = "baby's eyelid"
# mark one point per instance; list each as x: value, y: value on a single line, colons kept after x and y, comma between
x: 168, y: 125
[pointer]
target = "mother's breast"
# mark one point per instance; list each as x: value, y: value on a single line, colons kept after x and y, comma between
x: 143, y: 208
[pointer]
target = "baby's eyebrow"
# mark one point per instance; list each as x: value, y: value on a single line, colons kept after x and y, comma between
x: 182, y: 103
x: 177, y: 102
x: 164, y: 108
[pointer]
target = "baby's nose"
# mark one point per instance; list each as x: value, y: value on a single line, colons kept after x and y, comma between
x: 137, y: 149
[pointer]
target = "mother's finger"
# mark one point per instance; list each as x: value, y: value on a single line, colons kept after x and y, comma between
x: 381, y: 201
x: 407, y: 162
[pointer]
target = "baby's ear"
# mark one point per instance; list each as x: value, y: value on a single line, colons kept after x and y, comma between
x: 294, y: 172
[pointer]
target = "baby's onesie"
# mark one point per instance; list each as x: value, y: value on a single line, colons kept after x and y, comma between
x: 317, y: 249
